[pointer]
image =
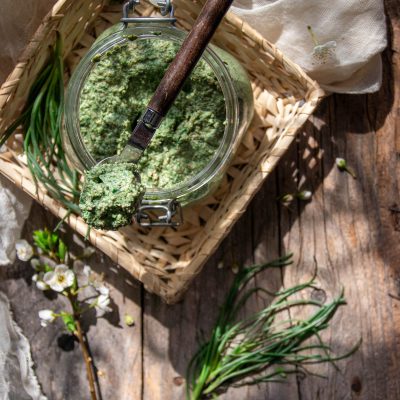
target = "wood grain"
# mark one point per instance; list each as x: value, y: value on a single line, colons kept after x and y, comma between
x: 350, y: 231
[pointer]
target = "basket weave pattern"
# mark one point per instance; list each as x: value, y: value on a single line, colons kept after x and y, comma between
x: 166, y: 259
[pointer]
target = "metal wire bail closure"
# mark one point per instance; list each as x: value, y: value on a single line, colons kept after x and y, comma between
x: 163, y: 214
x: 165, y: 7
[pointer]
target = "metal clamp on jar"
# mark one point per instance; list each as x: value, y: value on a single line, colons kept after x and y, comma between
x: 165, y: 7
x: 162, y: 206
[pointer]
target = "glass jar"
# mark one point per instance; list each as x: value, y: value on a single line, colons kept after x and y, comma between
x: 238, y: 97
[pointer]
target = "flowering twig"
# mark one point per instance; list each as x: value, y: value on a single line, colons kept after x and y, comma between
x: 86, y: 356
x: 79, y: 284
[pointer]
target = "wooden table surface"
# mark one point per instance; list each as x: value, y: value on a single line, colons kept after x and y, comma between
x: 350, y: 231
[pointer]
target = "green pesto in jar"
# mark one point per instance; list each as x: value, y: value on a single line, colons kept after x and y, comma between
x: 117, y: 92
x: 110, y: 195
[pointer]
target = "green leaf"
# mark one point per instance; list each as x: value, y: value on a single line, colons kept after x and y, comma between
x: 62, y: 250
x: 40, y: 240
x: 53, y: 239
x: 69, y: 322
x: 51, y: 244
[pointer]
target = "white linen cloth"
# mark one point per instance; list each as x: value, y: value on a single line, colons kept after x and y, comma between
x: 17, y: 380
x: 350, y: 36
x: 14, y: 210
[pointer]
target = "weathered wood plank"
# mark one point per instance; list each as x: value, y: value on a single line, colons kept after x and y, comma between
x: 178, y: 327
x: 352, y: 234
x: 171, y: 332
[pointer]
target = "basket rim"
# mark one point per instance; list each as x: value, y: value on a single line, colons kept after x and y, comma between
x: 169, y: 291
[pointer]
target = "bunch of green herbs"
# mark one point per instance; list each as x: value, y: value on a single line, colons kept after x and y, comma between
x: 41, y: 125
x: 266, y: 346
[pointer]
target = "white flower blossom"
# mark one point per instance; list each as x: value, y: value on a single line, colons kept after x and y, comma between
x: 325, y: 53
x: 59, y: 279
x: 38, y: 279
x: 341, y: 162
x: 305, y: 195
x: 287, y: 198
x: 35, y: 263
x: 103, y: 290
x: 46, y: 317
x: 42, y: 285
x: 87, y: 270
x: 86, y: 276
x: 79, y: 269
x: 24, y: 250
x: 101, y: 304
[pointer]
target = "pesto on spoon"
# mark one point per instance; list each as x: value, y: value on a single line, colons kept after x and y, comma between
x: 110, y: 195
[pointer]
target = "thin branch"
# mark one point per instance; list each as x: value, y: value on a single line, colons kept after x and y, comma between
x: 87, y: 358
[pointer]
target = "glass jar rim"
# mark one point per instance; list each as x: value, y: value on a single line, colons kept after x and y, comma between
x: 152, y: 31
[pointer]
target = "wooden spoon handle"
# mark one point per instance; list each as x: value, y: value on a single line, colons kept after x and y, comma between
x: 189, y: 54
x: 180, y: 68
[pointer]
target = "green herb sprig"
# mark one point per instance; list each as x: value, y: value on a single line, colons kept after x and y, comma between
x: 51, y: 244
x: 41, y: 124
x: 261, y: 347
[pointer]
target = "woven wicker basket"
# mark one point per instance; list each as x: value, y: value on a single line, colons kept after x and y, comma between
x: 166, y: 259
